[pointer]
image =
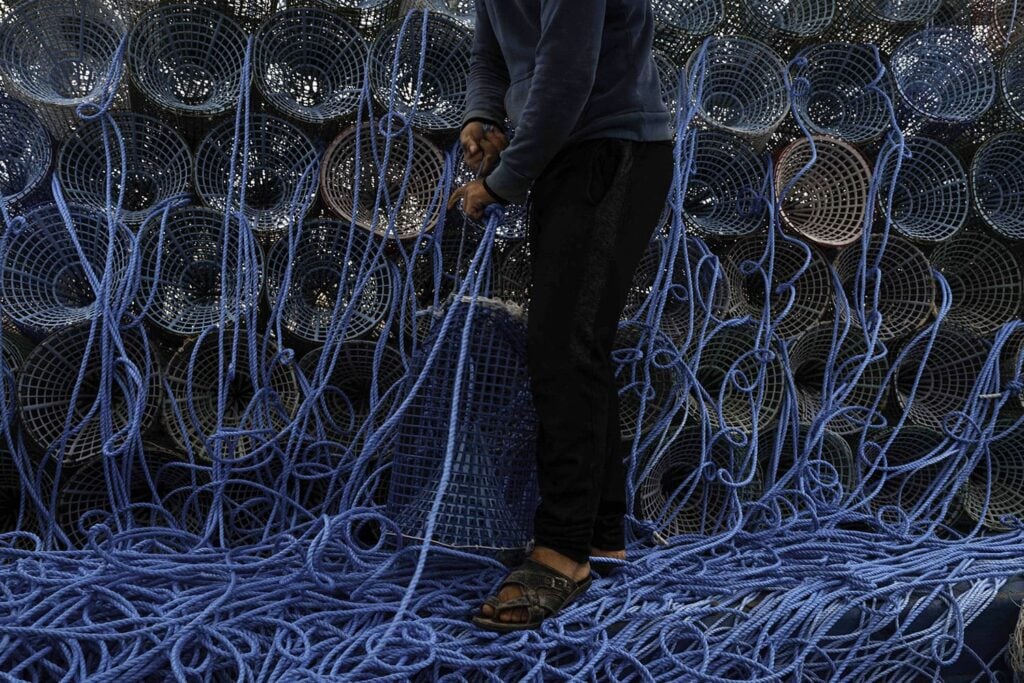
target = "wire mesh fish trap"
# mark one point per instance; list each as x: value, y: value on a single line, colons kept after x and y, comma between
x: 792, y: 19
x: 831, y: 368
x: 487, y: 464
x: 281, y: 180
x: 725, y: 192
x: 801, y: 280
x: 85, y: 498
x: 309, y: 64
x: 822, y: 467
x: 997, y: 183
x: 827, y: 202
x: 670, y: 78
x: 649, y: 373
x: 59, y: 54
x: 910, y: 450
x: 678, y: 23
x: 462, y: 11
x: 362, y: 386
x: 187, y: 59
x: 1013, y: 78
x: 840, y: 90
x: 900, y: 11
x: 369, y: 16
x: 328, y: 264
x: 986, y: 279
x: 391, y: 186
x: 25, y: 152
x: 44, y: 284
x: 157, y: 164
x: 930, y: 196
x: 741, y: 85
x: 421, y: 71
x: 906, y: 291
x: 995, y: 490
x: 731, y: 361
x: 194, y: 264
x: 944, y: 74
x: 513, y: 274
x: 64, y: 415
x: 679, y: 490
x: 441, y: 263
x: 259, y: 397
x: 1015, y: 652
x: 948, y: 373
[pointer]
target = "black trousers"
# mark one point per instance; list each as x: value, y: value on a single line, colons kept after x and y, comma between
x: 594, y: 210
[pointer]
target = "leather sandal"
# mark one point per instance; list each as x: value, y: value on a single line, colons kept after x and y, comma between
x: 545, y: 592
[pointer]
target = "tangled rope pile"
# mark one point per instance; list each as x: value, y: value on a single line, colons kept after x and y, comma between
x: 265, y: 420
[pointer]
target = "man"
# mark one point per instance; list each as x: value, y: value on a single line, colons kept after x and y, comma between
x: 593, y: 141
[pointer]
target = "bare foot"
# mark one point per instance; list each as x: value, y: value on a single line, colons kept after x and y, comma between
x: 546, y: 556
x: 614, y: 554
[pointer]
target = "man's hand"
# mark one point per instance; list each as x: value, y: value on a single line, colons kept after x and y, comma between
x: 481, y: 146
x: 475, y: 198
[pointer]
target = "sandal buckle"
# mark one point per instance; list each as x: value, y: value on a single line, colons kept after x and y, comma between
x: 556, y: 582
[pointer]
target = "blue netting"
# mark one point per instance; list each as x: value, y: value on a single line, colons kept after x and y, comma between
x: 930, y: 196
x: 945, y: 74
x: 196, y: 266
x: 725, y: 191
x: 187, y: 59
x: 841, y: 89
x: 418, y: 67
x: 997, y: 181
x: 309, y: 64
x: 25, y: 153
x: 465, y: 477
x: 150, y: 165
x: 276, y: 184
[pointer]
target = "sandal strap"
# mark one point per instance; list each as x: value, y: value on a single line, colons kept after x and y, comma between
x: 544, y: 590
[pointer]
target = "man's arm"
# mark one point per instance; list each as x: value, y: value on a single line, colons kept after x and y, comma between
x: 488, y: 74
x: 563, y: 77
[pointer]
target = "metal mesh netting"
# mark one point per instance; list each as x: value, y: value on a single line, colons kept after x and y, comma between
x: 994, y: 494
x: 369, y: 16
x: 679, y: 22
x: 1013, y: 79
x: 25, y: 152
x: 997, y: 180
x: 794, y: 18
x: 724, y: 195
x: 901, y: 468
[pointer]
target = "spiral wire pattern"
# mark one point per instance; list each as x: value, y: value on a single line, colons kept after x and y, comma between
x: 997, y: 184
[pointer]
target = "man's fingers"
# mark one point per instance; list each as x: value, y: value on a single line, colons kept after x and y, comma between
x: 456, y: 196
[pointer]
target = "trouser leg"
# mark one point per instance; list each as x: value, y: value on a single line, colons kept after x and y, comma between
x: 594, y: 211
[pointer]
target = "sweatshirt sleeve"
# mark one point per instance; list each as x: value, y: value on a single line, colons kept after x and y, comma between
x: 488, y: 74
x: 563, y: 78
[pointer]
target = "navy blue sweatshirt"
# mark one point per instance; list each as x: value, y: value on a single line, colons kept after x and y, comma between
x: 562, y: 71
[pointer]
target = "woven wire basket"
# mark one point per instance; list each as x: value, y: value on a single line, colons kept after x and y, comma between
x: 861, y: 382
x: 436, y: 100
x: 998, y: 481
x: 256, y: 407
x: 1013, y: 78
x: 404, y: 209
x: 724, y: 194
x: 906, y: 293
x: 369, y: 16
x: 309, y: 64
x: 44, y: 284
x: 728, y: 362
x: 328, y: 262
x: 812, y: 292
x: 283, y: 167
x: 158, y: 165
x: 948, y: 374
x: 360, y: 384
x: 59, y: 54
x: 820, y: 466
x: 491, y: 488
x: 794, y: 19
x: 945, y: 74
x: 986, y: 279
x: 1006, y: 18
x: 438, y: 269
x: 827, y: 203
x: 679, y: 23
x: 899, y: 11
x: 187, y: 59
x: 84, y: 498
x: 46, y: 386
x: 997, y: 183
x: 930, y: 198
x: 741, y: 86
x: 906, y: 490
x: 676, y: 492
x: 650, y: 379
x: 670, y: 78
x: 182, y: 277
x: 462, y: 11
x: 1015, y: 652
x: 25, y: 152
x: 833, y: 91
x: 513, y: 274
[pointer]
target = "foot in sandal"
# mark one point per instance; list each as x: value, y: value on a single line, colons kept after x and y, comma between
x: 539, y: 588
